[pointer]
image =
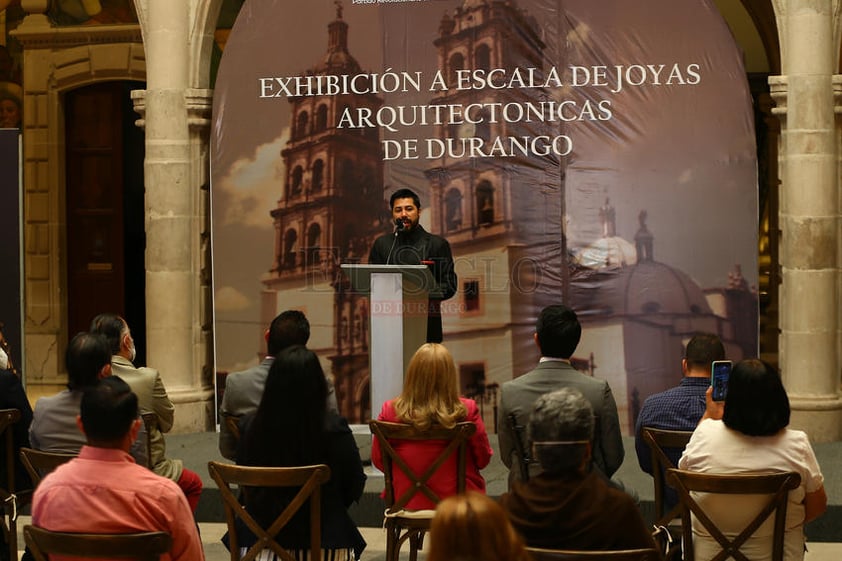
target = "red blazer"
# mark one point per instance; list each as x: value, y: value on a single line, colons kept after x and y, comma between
x: 420, y: 454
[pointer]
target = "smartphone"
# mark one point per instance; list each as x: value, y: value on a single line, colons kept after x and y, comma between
x: 720, y: 370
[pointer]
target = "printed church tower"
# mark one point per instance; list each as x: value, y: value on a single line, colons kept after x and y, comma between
x: 327, y: 214
x: 487, y: 208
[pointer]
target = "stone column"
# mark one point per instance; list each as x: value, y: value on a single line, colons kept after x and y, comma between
x: 175, y: 215
x: 809, y: 218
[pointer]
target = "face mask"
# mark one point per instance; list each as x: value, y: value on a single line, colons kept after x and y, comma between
x: 4, y: 360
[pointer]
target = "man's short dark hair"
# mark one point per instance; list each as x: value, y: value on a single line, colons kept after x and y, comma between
x: 703, y: 349
x: 112, y: 327
x: 289, y: 328
x: 108, y: 410
x: 756, y: 403
x: 85, y: 357
x: 404, y: 194
x: 558, y: 331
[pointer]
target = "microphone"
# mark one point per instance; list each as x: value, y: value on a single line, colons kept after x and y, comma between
x: 399, y: 227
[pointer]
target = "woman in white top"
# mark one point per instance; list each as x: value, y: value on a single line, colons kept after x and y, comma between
x: 747, y: 434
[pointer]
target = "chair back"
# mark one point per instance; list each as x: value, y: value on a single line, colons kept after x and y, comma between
x: 39, y: 463
x: 776, y: 485
x: 658, y: 441
x: 150, y: 423
x: 521, y: 451
x: 457, y: 441
x: 145, y: 546
x: 402, y: 526
x: 541, y: 554
x: 8, y: 417
x: 232, y: 422
x: 308, y: 480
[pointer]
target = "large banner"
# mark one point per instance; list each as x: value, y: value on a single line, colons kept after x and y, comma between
x: 11, y: 291
x: 598, y: 154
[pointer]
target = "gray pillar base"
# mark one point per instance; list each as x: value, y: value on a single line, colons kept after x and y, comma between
x: 821, y: 418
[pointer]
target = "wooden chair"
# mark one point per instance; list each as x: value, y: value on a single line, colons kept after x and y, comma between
x: 308, y: 479
x: 233, y: 424
x: 521, y: 451
x: 541, y: 554
x: 659, y: 441
x: 776, y: 485
x: 8, y: 417
x: 146, y: 546
x: 150, y: 423
x: 39, y: 463
x: 402, y: 525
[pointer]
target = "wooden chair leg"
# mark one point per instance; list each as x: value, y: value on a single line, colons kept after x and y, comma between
x: 10, y: 529
x: 392, y: 549
x: 416, y: 544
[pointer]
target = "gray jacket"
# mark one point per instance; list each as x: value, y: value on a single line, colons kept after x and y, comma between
x: 519, y: 394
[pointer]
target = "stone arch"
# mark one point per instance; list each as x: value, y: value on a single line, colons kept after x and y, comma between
x: 288, y: 260
x: 482, y: 57
x: 296, y: 181
x: 453, y: 209
x: 314, y: 238
x: 318, y: 176
x: 454, y: 64
x: 321, y: 118
x: 301, y: 124
x: 485, y: 202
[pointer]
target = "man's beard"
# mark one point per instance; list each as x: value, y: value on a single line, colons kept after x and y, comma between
x: 132, y: 353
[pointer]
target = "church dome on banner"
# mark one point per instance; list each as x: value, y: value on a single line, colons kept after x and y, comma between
x: 648, y: 288
x: 617, y: 278
x: 655, y: 288
x: 608, y: 253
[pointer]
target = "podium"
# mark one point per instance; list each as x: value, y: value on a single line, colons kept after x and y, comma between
x: 398, y: 303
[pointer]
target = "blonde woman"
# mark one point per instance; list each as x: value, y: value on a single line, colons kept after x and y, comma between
x: 472, y: 527
x: 431, y: 397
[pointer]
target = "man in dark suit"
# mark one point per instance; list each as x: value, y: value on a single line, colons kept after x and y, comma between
x: 411, y: 244
x: 557, y: 333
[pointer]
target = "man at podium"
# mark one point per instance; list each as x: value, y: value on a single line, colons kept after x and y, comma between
x: 411, y: 244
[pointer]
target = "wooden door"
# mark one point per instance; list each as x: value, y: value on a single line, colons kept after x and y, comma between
x: 104, y: 202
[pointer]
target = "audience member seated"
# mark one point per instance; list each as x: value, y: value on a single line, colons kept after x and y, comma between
x: 54, y: 427
x: 557, y: 334
x: 681, y: 407
x: 473, y: 527
x: 104, y: 490
x: 12, y: 396
x: 146, y: 383
x: 747, y: 434
x: 569, y: 505
x: 430, y: 397
x: 292, y: 427
x: 244, y: 389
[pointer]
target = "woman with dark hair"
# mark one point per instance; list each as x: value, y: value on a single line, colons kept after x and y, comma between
x: 747, y: 434
x: 292, y: 427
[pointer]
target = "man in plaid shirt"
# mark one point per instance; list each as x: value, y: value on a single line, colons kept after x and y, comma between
x: 681, y: 407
